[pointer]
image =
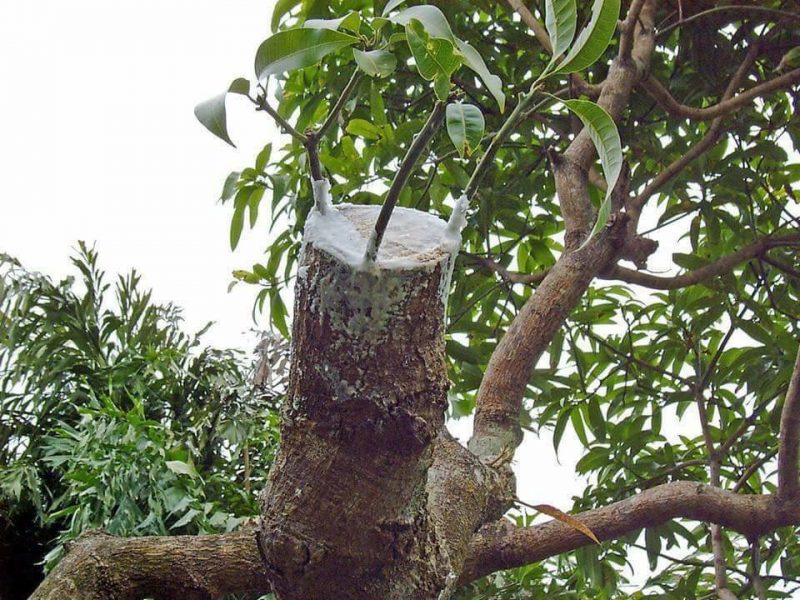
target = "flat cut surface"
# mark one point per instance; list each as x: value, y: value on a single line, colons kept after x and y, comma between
x: 412, y: 239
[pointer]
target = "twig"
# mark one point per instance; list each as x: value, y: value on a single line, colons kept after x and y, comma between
x: 779, y: 14
x: 285, y: 125
x: 415, y: 150
x: 337, y: 108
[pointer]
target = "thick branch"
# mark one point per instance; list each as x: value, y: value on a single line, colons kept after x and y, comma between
x: 505, y: 381
x: 202, y: 567
x: 661, y: 95
x: 789, y: 444
x: 501, y: 545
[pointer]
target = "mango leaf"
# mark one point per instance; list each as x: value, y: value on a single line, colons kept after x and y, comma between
x: 593, y: 39
x: 433, y: 21
x: 433, y: 56
x: 182, y: 468
x: 282, y: 7
x: 465, y: 126
x: 212, y: 115
x: 363, y: 128
x: 237, y: 221
x: 390, y: 6
x: 297, y: 48
x: 375, y: 63
x: 552, y: 511
x: 350, y: 22
x: 474, y: 61
x: 604, y: 134
x: 561, y: 20
x: 441, y: 87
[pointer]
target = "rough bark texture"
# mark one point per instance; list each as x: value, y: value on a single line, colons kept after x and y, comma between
x: 202, y: 567
x: 345, y: 508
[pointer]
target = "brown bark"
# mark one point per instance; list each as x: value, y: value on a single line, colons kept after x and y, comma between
x: 202, y: 567
x: 501, y: 545
x: 345, y: 512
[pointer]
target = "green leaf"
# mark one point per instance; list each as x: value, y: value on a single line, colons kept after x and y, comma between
x: 390, y: 6
x: 186, y: 519
x: 465, y: 126
x: 350, y: 22
x: 229, y: 188
x: 377, y: 108
x: 281, y: 8
x: 253, y: 202
x: 593, y: 39
x: 237, y: 222
x: 561, y: 20
x: 433, y: 56
x: 474, y: 61
x: 364, y: 129
x: 298, y: 48
x: 277, y: 313
x: 182, y: 468
x: 441, y: 87
x: 212, y: 115
x: 605, y: 137
x: 375, y: 63
x: 433, y: 21
x: 263, y: 158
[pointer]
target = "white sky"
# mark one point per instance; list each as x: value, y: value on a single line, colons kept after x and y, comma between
x: 99, y: 143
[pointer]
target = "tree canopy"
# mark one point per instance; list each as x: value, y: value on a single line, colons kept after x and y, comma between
x: 583, y: 136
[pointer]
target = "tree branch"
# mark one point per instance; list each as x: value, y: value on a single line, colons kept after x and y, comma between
x: 716, y: 268
x: 661, y: 95
x: 337, y: 108
x: 789, y: 441
x: 707, y: 142
x: 415, y: 150
x: 498, y: 403
x: 502, y: 545
x: 105, y: 567
x: 778, y: 14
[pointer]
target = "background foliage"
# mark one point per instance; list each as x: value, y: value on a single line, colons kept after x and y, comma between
x: 112, y: 417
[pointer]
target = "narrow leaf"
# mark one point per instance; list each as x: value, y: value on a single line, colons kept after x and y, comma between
x: 605, y: 137
x: 375, y: 63
x: 561, y: 20
x: 552, y: 511
x: 593, y: 39
x: 298, y: 48
x: 465, y: 126
x: 475, y: 62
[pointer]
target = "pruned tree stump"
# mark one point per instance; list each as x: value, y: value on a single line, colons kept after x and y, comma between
x: 367, y: 397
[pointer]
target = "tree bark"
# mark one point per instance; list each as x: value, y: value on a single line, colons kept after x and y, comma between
x: 345, y: 511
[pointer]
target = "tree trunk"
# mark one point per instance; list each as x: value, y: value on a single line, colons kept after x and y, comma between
x: 345, y: 511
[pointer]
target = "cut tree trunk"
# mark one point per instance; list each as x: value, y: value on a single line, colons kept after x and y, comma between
x: 345, y: 510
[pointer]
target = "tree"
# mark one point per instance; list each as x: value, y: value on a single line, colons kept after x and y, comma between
x: 683, y: 388
x: 112, y: 417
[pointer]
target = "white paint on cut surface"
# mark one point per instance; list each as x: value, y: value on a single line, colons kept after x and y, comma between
x: 412, y: 239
